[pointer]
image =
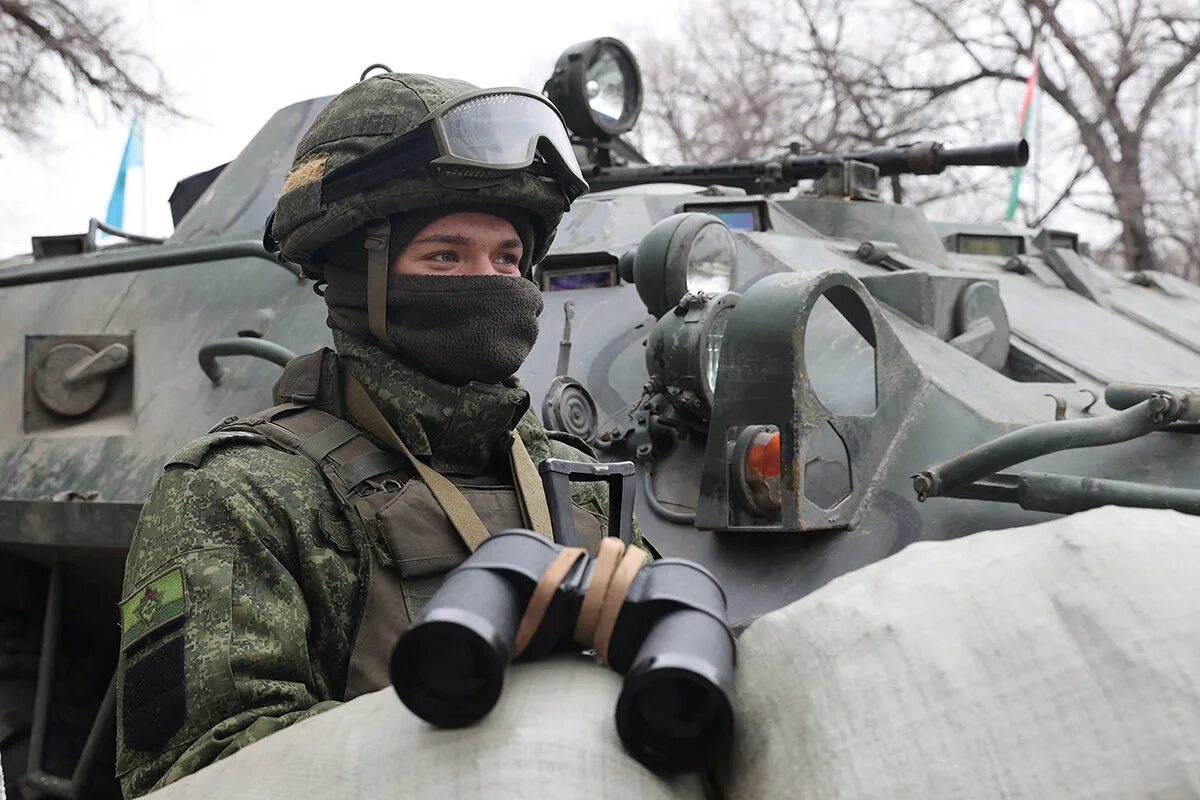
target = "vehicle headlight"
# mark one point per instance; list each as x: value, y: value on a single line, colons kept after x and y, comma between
x: 710, y: 260
x: 598, y: 88
x: 683, y: 352
x: 714, y: 336
x: 690, y: 252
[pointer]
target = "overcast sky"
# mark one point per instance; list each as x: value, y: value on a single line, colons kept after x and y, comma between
x: 230, y: 65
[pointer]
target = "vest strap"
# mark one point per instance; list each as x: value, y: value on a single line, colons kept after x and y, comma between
x: 301, y: 379
x: 266, y: 415
x: 462, y: 516
x: 368, y: 465
x: 331, y: 438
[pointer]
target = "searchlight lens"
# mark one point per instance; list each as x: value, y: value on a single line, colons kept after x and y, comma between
x: 606, y: 87
x: 715, y: 335
x: 710, y: 260
x: 598, y: 88
x: 686, y: 253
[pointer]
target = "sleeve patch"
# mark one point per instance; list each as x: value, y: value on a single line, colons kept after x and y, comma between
x: 155, y: 701
x: 153, y: 605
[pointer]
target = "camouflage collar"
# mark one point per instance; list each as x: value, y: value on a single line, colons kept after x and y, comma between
x: 458, y: 429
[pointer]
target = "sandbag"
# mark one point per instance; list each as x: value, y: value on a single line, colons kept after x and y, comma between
x: 1056, y: 660
x: 551, y: 735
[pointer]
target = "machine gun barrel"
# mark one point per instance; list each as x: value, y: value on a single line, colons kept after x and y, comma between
x: 922, y: 158
x: 1002, y: 154
x: 748, y: 175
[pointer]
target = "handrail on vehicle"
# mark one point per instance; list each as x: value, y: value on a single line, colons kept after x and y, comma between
x: 139, y: 259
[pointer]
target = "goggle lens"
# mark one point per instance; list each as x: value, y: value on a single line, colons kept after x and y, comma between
x: 505, y: 129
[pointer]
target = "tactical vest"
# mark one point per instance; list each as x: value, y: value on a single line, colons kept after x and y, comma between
x: 401, y: 538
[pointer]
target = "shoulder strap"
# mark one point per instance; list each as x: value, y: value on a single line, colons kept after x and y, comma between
x: 530, y: 489
x: 471, y: 529
x: 316, y: 434
x: 310, y: 380
x: 466, y: 522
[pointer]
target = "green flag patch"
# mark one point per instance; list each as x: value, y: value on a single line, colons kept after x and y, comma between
x: 152, y: 605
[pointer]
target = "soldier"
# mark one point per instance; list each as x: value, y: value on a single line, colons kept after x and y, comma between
x: 278, y: 557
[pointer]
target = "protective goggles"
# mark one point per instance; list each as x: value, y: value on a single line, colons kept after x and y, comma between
x: 475, y: 140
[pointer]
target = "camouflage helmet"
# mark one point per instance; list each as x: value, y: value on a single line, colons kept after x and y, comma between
x: 366, y: 115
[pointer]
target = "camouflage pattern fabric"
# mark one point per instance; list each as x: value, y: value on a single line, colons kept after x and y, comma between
x: 442, y: 423
x: 270, y: 575
x: 364, y: 116
x: 457, y: 428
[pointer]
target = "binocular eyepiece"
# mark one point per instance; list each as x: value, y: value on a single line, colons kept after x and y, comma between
x: 661, y: 624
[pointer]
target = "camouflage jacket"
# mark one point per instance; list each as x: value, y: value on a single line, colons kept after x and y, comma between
x: 242, y: 592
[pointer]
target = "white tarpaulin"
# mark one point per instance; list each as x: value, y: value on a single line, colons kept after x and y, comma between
x: 551, y: 735
x: 1057, y: 660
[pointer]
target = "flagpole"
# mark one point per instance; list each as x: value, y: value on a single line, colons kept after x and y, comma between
x: 1037, y: 151
x: 145, y: 166
x: 145, y: 195
x: 1031, y: 85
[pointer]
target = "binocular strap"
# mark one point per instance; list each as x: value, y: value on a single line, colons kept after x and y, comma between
x: 462, y: 516
x: 615, y: 568
x: 543, y: 593
x: 614, y: 598
x: 608, y: 557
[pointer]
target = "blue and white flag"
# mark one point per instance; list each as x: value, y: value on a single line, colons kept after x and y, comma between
x: 130, y: 160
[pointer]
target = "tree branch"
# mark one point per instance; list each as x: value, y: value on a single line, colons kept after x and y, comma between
x: 1071, y: 45
x: 1085, y: 168
x: 1169, y: 76
x: 87, y: 47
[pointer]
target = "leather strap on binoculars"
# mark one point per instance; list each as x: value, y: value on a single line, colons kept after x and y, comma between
x: 608, y: 558
x: 543, y: 593
x: 615, y: 568
x: 614, y: 598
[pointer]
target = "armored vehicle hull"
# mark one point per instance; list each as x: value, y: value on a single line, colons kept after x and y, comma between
x: 862, y: 345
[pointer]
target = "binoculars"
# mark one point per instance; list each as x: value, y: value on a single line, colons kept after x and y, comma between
x: 661, y: 624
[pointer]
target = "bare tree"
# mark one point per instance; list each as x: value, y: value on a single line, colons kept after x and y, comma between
x: 747, y: 78
x: 51, y: 48
x: 1116, y: 68
x: 1174, y: 203
x: 756, y: 74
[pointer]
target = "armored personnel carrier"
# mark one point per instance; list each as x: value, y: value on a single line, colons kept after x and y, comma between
x: 808, y: 378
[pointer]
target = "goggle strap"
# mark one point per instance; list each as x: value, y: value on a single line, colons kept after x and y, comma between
x: 379, y: 235
x: 405, y: 153
x: 541, y: 169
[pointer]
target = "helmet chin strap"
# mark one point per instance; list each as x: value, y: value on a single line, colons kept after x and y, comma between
x: 379, y: 234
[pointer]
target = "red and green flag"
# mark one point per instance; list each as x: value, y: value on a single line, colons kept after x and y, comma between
x: 1026, y: 105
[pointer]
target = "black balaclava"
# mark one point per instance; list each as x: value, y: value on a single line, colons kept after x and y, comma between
x: 455, y: 328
